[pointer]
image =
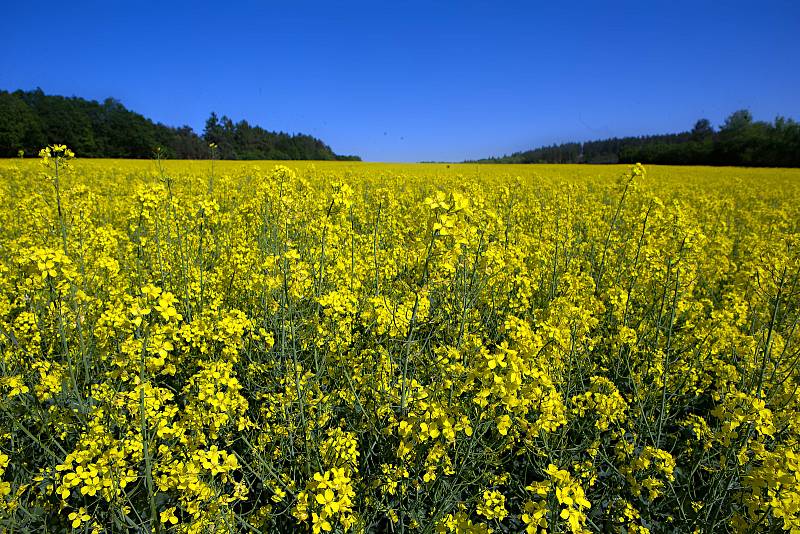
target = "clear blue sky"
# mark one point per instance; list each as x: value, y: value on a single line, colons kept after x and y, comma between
x: 403, y: 81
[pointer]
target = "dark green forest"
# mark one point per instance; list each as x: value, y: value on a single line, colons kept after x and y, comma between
x: 30, y: 120
x: 738, y: 141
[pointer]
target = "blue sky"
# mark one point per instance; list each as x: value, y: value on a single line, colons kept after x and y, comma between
x: 411, y: 81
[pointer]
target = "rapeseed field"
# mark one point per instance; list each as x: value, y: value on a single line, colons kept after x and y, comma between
x: 344, y: 347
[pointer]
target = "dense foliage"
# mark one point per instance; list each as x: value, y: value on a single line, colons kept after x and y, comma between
x: 739, y: 141
x: 216, y: 347
x: 240, y: 140
x: 29, y: 120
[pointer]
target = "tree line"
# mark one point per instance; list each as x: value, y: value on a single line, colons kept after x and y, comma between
x: 739, y: 141
x: 30, y: 120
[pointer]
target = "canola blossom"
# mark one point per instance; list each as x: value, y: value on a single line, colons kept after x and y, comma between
x: 217, y: 346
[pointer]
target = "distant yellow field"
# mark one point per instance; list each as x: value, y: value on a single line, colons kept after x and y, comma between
x: 361, y: 347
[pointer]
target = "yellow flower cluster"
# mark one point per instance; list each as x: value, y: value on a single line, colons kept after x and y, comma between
x: 568, y: 493
x: 493, y: 505
x: 329, y: 498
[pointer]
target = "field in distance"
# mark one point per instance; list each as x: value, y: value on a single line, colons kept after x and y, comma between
x: 198, y: 346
